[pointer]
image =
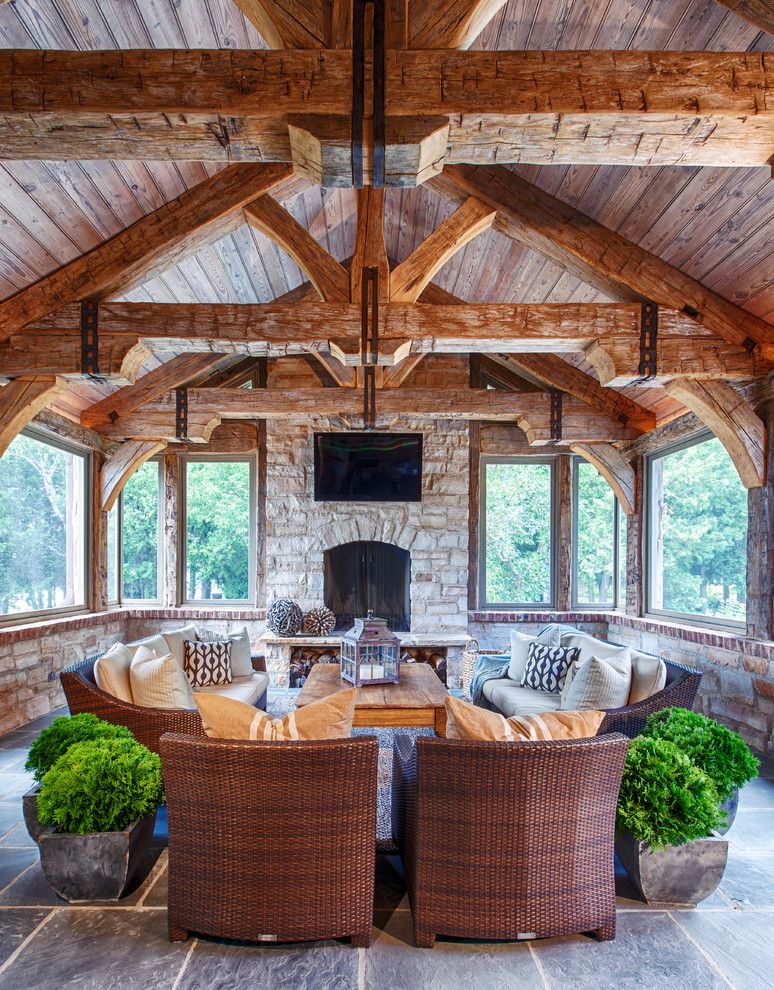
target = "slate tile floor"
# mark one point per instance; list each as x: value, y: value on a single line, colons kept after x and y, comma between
x: 45, y: 944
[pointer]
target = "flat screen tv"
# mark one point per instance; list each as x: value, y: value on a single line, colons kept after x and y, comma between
x: 368, y: 467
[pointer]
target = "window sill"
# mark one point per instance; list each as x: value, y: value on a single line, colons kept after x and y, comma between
x: 37, y: 628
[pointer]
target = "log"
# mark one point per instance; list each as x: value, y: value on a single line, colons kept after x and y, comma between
x: 614, y: 468
x: 449, y: 23
x: 120, y: 466
x: 289, y: 23
x: 759, y: 13
x: 20, y: 402
x: 120, y: 356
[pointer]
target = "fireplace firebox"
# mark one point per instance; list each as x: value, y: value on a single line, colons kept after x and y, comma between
x: 368, y: 575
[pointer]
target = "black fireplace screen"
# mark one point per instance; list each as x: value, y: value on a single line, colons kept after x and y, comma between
x: 368, y: 575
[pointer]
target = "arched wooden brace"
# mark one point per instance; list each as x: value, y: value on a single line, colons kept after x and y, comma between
x: 614, y: 468
x: 121, y: 465
x: 22, y: 400
x: 733, y: 421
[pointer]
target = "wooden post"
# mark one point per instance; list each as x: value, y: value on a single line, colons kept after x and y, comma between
x: 97, y: 594
x: 564, y: 534
x: 474, y: 471
x: 169, y: 594
x: 760, y: 542
x: 260, y: 380
x: 635, y: 527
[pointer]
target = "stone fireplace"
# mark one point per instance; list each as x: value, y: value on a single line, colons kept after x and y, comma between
x: 368, y: 576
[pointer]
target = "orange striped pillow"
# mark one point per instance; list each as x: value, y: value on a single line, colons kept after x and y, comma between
x: 466, y: 721
x: 329, y: 718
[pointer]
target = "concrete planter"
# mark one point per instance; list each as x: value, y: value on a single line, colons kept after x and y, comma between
x: 30, y: 807
x: 680, y: 875
x: 730, y: 806
x: 99, y: 866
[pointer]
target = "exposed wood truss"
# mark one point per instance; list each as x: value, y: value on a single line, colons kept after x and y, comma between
x: 449, y: 23
x: 597, y: 254
x: 633, y: 108
x: 22, y: 400
x: 733, y: 421
x: 122, y: 464
x: 614, y: 468
x: 530, y: 411
x: 120, y: 357
x: 758, y: 12
x: 149, y: 245
x: 289, y: 23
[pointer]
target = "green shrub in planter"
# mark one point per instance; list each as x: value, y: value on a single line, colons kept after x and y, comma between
x: 100, y: 786
x: 63, y: 732
x: 665, y: 800
x: 722, y: 754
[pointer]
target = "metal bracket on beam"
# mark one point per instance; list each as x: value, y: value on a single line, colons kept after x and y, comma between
x: 90, y: 339
x: 181, y: 415
x: 556, y: 416
x: 648, y: 342
x: 359, y: 94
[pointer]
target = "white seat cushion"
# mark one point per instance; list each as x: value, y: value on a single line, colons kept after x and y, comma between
x: 511, y: 699
x: 246, y: 689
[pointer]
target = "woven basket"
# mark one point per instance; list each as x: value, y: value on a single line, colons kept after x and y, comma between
x: 467, y: 663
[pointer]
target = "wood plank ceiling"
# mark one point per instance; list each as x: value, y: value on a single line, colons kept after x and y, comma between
x: 717, y: 225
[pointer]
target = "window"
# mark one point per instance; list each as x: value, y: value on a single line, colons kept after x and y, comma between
x: 697, y: 533
x: 218, y: 530
x: 140, y: 541
x: 599, y: 544
x: 517, y: 526
x: 43, y: 538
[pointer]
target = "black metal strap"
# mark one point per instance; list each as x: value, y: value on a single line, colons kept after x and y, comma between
x: 90, y: 338
x: 556, y: 416
x: 358, y: 91
x: 648, y: 341
x: 369, y: 340
x: 181, y: 414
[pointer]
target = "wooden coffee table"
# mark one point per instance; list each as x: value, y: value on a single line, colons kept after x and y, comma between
x: 416, y: 703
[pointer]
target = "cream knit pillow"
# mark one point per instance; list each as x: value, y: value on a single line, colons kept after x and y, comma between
x: 111, y: 672
x: 159, y: 682
x: 600, y: 684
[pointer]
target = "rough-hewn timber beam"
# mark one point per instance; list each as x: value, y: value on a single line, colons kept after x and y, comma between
x: 330, y: 279
x: 290, y: 23
x: 171, y: 374
x: 597, y: 254
x: 646, y: 108
x: 614, y: 468
x: 449, y: 23
x: 370, y: 249
x: 733, y: 421
x: 413, y: 274
x: 394, y: 377
x: 121, y: 465
x: 21, y: 400
x: 759, y: 13
x: 149, y: 245
x: 120, y: 357
x: 530, y: 411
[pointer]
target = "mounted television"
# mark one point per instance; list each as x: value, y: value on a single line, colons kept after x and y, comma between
x: 368, y: 467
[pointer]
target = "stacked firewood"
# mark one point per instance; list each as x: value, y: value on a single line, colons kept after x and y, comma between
x: 303, y: 658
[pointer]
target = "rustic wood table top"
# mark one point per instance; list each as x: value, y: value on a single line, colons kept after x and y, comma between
x: 419, y: 687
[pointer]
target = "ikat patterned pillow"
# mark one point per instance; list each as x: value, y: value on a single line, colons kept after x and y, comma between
x: 208, y: 663
x: 547, y: 666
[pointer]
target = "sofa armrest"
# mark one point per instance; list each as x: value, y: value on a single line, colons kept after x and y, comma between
x: 259, y: 663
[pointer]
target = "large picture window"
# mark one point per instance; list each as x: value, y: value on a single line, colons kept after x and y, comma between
x: 140, y: 543
x: 218, y: 530
x: 517, y: 526
x: 697, y: 533
x: 597, y: 559
x: 43, y: 537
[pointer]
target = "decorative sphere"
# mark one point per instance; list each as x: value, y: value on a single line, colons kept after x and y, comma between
x: 284, y: 617
x: 319, y: 621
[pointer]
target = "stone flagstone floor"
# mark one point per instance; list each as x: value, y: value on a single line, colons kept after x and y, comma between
x: 45, y: 944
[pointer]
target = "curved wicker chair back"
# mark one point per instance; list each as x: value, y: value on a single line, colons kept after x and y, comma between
x: 682, y: 684
x: 271, y: 841
x: 507, y: 841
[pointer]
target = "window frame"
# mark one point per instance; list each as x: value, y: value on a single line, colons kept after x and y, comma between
x: 691, y: 618
x: 78, y: 450
x: 158, y: 600
x: 575, y: 601
x: 483, y: 602
x: 182, y: 532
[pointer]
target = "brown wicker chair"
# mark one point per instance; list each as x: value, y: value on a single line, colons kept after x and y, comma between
x: 508, y: 841
x: 147, y: 724
x: 236, y: 813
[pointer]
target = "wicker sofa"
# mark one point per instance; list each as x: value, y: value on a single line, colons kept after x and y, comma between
x: 234, y: 809
x: 497, y: 692
x: 147, y: 724
x: 503, y: 841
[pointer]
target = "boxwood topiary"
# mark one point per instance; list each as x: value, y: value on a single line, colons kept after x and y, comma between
x: 100, y: 786
x: 62, y: 733
x: 665, y: 800
x: 722, y: 754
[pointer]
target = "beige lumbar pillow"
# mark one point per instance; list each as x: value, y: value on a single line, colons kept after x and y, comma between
x: 241, y: 651
x: 329, y: 718
x: 176, y: 640
x: 466, y: 721
x: 159, y: 682
x: 111, y: 672
x: 600, y: 684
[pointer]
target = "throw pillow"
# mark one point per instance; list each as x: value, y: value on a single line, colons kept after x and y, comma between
x: 241, y: 651
x: 648, y: 677
x: 156, y: 644
x: 600, y: 684
x: 329, y: 718
x: 466, y: 721
x: 176, y: 640
x: 207, y: 663
x: 111, y: 672
x: 547, y: 666
x: 159, y: 682
x: 519, y: 648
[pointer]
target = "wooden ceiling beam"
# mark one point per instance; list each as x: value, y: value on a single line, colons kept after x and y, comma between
x: 21, y: 401
x: 759, y: 13
x: 153, y: 243
x: 290, y: 23
x: 414, y: 273
x: 734, y: 422
x: 395, y: 376
x: 449, y: 23
x: 370, y: 249
x: 120, y: 357
x: 614, y: 468
x: 530, y: 411
x: 597, y: 254
x: 122, y: 464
